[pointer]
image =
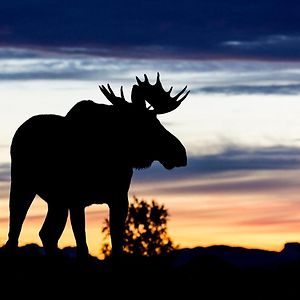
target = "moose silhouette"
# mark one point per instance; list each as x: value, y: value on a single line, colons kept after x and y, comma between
x: 87, y: 157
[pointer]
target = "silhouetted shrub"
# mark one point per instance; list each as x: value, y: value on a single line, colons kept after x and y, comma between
x: 145, y: 230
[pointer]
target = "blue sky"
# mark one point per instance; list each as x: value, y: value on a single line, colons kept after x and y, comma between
x: 240, y: 123
x: 258, y: 29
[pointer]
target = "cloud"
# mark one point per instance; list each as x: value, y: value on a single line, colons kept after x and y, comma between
x: 32, y: 67
x: 229, y: 160
x: 13, y: 53
x: 278, y: 89
x: 239, y: 185
x: 271, y: 46
x: 235, y: 170
x: 190, y: 29
x: 245, y: 77
x: 4, y: 190
x: 203, y: 77
x: 4, y: 180
x: 30, y: 64
x: 4, y: 172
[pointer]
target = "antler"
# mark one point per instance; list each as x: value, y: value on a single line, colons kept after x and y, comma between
x: 110, y: 95
x: 157, y: 97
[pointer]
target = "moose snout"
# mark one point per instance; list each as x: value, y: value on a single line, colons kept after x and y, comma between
x: 175, y: 159
x: 182, y: 162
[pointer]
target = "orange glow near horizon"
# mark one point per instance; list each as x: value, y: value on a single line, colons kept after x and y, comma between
x: 253, y: 219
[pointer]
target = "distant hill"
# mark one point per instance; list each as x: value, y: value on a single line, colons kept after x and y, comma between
x: 239, y: 257
x: 216, y: 271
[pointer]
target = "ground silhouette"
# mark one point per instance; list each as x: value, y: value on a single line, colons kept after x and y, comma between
x: 202, y: 272
x: 88, y: 157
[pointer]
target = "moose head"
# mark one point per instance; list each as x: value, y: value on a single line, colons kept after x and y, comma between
x: 155, y: 142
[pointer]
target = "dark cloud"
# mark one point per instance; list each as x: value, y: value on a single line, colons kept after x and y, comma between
x: 235, y: 170
x: 237, y: 185
x: 4, y: 172
x: 269, y: 46
x: 270, y: 158
x: 278, y: 89
x: 230, y: 160
x: 226, y: 172
x: 11, y: 53
x: 262, y: 29
x: 33, y: 65
x: 213, y: 76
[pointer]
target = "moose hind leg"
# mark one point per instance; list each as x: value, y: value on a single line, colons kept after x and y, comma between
x: 53, y: 228
x: 77, y: 216
x: 118, y: 211
x: 20, y: 200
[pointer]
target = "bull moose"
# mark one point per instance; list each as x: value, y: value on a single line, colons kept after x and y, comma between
x: 87, y: 157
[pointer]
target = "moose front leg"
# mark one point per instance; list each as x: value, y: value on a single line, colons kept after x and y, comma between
x: 118, y: 211
x: 53, y: 227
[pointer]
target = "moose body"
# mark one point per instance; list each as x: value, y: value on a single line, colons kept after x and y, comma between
x: 88, y: 157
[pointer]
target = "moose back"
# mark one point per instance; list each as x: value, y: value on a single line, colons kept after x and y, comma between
x: 88, y: 157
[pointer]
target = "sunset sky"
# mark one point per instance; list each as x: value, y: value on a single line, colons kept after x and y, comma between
x: 240, y: 124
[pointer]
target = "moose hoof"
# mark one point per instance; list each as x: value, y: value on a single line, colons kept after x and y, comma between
x: 10, y: 248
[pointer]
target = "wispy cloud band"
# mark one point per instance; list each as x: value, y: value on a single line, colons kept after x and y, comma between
x: 4, y: 172
x: 233, y: 170
x: 204, y: 77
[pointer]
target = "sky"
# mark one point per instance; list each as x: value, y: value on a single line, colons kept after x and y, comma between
x: 240, y: 123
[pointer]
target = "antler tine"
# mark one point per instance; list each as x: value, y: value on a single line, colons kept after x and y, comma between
x: 146, y: 79
x: 138, y: 80
x: 161, y: 100
x: 122, y: 93
x: 186, y: 94
x: 180, y: 93
x: 158, y: 83
x: 104, y: 91
x: 110, y: 90
x: 110, y: 95
x: 170, y: 90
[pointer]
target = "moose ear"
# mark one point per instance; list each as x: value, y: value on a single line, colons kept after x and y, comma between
x: 137, y: 97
